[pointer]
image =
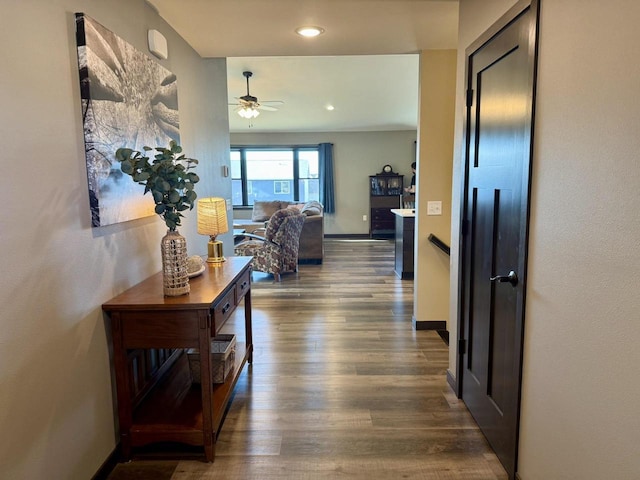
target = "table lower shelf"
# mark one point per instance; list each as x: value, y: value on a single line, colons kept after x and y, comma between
x: 172, y: 412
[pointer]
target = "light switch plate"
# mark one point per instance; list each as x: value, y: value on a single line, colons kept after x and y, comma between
x: 434, y: 208
x: 228, y: 204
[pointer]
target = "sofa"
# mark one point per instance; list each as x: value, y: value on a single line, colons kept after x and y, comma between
x: 312, y: 236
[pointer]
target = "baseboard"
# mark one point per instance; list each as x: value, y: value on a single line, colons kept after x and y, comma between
x: 444, y: 335
x: 108, y: 465
x: 518, y: 477
x: 358, y: 236
x: 309, y: 261
x: 428, y: 324
x: 453, y: 383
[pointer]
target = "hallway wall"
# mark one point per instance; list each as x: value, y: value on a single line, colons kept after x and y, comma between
x: 579, y: 400
x: 435, y: 149
x: 56, y: 401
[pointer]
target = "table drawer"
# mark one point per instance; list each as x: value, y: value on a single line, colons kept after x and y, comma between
x: 382, y: 214
x: 222, y: 310
x: 383, y: 225
x: 242, y: 285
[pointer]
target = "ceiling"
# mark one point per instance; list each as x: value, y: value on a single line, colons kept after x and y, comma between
x: 365, y: 64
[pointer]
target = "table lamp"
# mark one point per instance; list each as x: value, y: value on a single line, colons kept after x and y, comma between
x: 212, y: 221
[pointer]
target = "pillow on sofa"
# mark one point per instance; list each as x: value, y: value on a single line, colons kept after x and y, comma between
x: 312, y: 208
x: 297, y: 206
x: 262, y: 210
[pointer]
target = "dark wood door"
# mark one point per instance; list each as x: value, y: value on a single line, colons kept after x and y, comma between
x: 500, y: 76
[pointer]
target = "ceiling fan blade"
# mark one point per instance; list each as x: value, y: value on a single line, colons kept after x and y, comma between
x: 249, y: 102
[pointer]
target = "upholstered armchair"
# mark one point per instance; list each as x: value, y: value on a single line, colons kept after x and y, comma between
x: 277, y: 251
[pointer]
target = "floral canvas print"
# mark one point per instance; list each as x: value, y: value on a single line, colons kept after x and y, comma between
x: 128, y: 100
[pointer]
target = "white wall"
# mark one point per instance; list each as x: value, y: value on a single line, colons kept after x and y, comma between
x: 356, y: 155
x: 435, y: 150
x: 56, y: 404
x: 580, y: 390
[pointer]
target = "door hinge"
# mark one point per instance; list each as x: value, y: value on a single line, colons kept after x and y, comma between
x: 462, y: 346
x: 469, y: 98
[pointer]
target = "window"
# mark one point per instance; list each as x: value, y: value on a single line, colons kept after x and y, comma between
x: 274, y: 173
x: 281, y: 187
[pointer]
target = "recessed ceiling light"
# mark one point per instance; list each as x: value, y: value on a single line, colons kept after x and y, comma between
x: 330, y: 107
x: 309, y: 31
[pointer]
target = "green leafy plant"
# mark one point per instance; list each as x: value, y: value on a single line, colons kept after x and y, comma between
x: 167, y: 177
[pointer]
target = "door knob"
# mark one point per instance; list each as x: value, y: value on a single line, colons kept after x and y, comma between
x: 512, y: 278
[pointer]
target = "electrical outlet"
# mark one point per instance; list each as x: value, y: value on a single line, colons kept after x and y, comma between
x: 434, y: 208
x: 364, y: 218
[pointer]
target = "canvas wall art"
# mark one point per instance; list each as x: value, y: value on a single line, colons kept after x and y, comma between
x: 128, y: 100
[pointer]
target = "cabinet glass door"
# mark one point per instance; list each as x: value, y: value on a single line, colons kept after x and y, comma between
x: 394, y: 186
x: 378, y: 186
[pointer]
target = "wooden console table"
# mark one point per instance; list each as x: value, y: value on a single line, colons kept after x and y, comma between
x: 157, y: 400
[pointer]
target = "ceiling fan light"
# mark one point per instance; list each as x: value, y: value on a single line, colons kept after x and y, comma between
x: 248, y: 112
x: 309, y: 31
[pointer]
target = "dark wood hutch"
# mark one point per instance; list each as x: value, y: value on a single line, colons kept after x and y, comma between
x: 385, y: 193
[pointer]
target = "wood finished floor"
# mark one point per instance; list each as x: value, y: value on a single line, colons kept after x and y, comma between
x: 341, y: 386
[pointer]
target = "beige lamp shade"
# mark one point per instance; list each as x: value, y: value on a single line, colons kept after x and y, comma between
x: 212, y: 221
x: 212, y: 216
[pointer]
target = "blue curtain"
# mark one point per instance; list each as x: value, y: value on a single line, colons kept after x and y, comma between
x: 327, y: 189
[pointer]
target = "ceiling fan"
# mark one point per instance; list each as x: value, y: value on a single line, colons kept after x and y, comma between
x: 248, y: 105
